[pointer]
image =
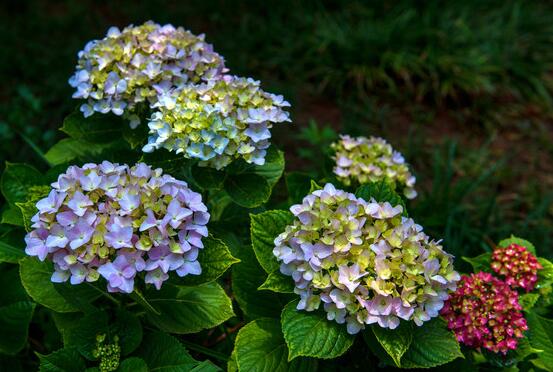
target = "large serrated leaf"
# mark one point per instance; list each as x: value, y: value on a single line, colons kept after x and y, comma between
x: 164, y: 353
x: 480, y: 263
x: 540, y: 336
x: 265, y: 227
x: 35, y: 277
x: 310, y: 334
x: 248, y: 190
x: 14, y: 323
x: 277, y: 282
x: 17, y: 181
x: 189, y: 309
x: 395, y: 342
x: 260, y: 347
x: 63, y: 360
x: 215, y: 259
x: 94, y: 129
x: 433, y: 345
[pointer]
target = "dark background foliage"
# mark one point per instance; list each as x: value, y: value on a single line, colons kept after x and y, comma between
x: 462, y: 88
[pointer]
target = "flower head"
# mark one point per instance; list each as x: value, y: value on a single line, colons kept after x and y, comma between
x: 517, y: 265
x: 217, y: 122
x: 362, y: 160
x: 484, y: 312
x: 115, y: 221
x: 141, y: 64
x: 364, y: 261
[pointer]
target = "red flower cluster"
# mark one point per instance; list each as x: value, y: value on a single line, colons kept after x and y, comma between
x: 484, y: 312
x: 517, y: 265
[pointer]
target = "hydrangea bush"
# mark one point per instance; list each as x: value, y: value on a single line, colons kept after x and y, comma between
x: 360, y: 160
x: 217, y: 122
x: 117, y: 267
x: 364, y: 261
x: 116, y: 221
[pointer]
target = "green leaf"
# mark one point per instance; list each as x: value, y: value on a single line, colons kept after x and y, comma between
x: 8, y: 252
x: 63, y: 360
x: 298, y: 185
x: 540, y: 336
x: 80, y: 296
x: 381, y: 192
x: 129, y: 329
x: 232, y: 366
x: 17, y: 180
x: 189, y: 309
x: 208, y: 178
x: 265, y: 227
x: 12, y: 216
x: 133, y: 364
x: 174, y: 164
x: 514, y: 240
x: 35, y: 277
x: 247, y: 276
x: 545, y: 275
x: 273, y: 168
x: 433, y: 345
x: 528, y: 300
x: 94, y: 129
x: 142, y: 301
x: 206, y: 366
x: 480, y: 263
x: 164, y: 353
x: 28, y: 208
x: 215, y: 258
x: 395, y: 342
x: 247, y: 190
x: 260, y: 347
x: 135, y: 137
x: 14, y: 323
x: 69, y: 150
x: 277, y: 282
x: 310, y: 334
x: 80, y: 331
x: 14, y: 292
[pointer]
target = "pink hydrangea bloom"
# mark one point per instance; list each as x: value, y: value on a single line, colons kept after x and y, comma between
x: 517, y: 265
x: 485, y: 312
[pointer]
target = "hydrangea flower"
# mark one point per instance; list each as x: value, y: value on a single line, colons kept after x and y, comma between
x: 362, y: 160
x: 116, y: 221
x: 485, y: 312
x: 217, y: 122
x: 138, y: 64
x: 363, y: 261
x: 517, y: 266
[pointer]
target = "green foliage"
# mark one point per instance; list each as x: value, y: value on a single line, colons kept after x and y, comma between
x: 265, y: 227
x: 310, y: 334
x: 164, y: 353
x: 215, y: 259
x: 189, y: 309
x: 480, y: 263
x: 14, y: 322
x: 427, y: 346
x: 540, y: 336
x: 63, y: 360
x: 277, y: 282
x: 514, y: 240
x: 260, y: 346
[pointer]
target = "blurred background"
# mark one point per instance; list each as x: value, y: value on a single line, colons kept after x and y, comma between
x: 464, y: 89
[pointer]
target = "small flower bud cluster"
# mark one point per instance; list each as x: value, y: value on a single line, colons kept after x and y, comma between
x: 364, y: 261
x: 136, y: 65
x: 517, y: 265
x: 362, y: 160
x: 115, y: 221
x: 485, y: 312
x: 109, y: 354
x: 217, y: 122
